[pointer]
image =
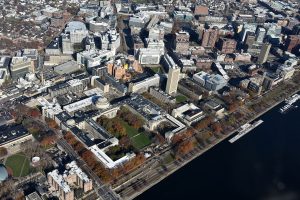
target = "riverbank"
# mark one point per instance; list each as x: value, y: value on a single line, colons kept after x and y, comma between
x: 171, y: 168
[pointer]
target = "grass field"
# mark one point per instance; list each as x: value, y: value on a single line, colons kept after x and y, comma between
x: 19, y: 164
x: 129, y: 129
x: 180, y: 98
x: 139, y: 140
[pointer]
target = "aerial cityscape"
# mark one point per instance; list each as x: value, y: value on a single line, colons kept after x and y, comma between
x: 108, y: 99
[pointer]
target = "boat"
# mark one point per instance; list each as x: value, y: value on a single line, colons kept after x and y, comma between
x: 285, y: 108
x: 289, y: 103
x: 246, y: 128
x: 293, y: 99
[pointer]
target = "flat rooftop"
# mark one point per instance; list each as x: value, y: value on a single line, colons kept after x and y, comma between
x: 11, y: 133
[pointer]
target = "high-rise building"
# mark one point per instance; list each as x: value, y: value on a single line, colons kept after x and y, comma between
x: 156, y: 33
x: 247, y: 28
x: 227, y: 45
x: 260, y: 35
x: 249, y: 40
x: 74, y: 33
x: 65, y: 183
x: 292, y: 44
x: 263, y: 56
x: 209, y: 38
x: 173, y: 78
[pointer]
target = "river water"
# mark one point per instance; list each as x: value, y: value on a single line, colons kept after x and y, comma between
x: 262, y: 165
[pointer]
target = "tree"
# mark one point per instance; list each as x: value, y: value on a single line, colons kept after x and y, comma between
x: 217, y: 128
x: 48, y: 140
x: 204, y: 123
x: 125, y: 142
x: 134, y: 162
x: 184, y: 148
x: 3, y: 151
x: 51, y: 123
x: 180, y: 137
x: 233, y: 106
x: 35, y: 113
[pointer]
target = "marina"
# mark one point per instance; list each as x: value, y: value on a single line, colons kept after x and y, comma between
x: 290, y: 103
x: 246, y: 128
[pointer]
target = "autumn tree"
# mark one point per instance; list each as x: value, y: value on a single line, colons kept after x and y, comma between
x: 181, y: 136
x: 134, y: 162
x: 184, y: 148
x: 125, y: 142
x: 35, y: 113
x: 217, y: 127
x: 48, y: 140
x: 204, y: 123
x: 3, y: 151
x: 51, y: 123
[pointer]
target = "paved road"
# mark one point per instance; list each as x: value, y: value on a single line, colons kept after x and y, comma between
x: 103, y: 191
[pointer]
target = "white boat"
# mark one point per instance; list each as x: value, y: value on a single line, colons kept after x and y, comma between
x: 246, y: 128
x: 293, y: 99
x: 285, y: 108
x: 289, y: 103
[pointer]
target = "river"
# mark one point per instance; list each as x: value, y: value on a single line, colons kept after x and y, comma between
x: 262, y: 165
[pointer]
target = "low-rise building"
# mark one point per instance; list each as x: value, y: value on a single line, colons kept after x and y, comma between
x: 188, y: 113
x: 162, y: 96
x: 93, y: 58
x: 212, y: 82
x: 143, y: 85
x: 286, y: 72
x: 74, y: 85
x: 148, y: 56
x: 12, y: 136
x: 20, y: 66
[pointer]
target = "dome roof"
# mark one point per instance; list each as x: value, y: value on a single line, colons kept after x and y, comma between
x: 3, y: 173
x: 71, y: 122
x: 102, y: 103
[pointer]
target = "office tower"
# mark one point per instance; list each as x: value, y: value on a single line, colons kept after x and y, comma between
x: 173, y: 78
x: 247, y: 28
x: 263, y: 56
x: 260, y: 35
x: 249, y: 40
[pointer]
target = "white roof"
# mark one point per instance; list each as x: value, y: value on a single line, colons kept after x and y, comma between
x: 74, y: 169
x: 107, y: 161
x: 75, y: 25
x: 79, y: 104
x: 58, y: 178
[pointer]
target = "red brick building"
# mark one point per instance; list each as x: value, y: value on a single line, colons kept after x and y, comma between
x: 227, y: 46
x: 292, y: 44
x: 209, y: 38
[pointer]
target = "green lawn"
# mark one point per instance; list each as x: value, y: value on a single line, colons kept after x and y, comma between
x: 19, y: 164
x: 129, y: 129
x: 180, y: 98
x: 140, y: 141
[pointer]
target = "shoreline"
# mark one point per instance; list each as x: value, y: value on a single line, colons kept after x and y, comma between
x: 199, y: 153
